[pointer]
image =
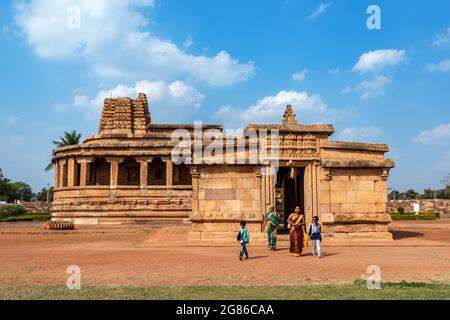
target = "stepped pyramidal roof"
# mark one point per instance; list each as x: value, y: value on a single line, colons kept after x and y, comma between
x: 125, y: 116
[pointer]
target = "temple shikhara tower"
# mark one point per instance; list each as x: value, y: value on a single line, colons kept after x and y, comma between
x: 127, y: 174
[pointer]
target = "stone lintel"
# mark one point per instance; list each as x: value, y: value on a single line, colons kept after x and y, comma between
x: 355, y: 146
x: 327, y: 129
x: 328, y: 163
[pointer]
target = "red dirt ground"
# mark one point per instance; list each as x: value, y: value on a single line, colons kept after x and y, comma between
x: 145, y: 255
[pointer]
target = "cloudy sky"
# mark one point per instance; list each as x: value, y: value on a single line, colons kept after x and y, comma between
x: 229, y: 62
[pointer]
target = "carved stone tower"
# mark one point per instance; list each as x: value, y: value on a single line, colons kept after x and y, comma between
x: 125, y: 116
x: 289, y: 117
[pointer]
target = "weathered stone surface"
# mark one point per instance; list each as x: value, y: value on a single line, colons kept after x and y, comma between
x: 220, y: 194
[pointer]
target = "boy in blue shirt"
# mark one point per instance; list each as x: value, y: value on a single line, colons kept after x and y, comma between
x: 315, y: 234
x: 243, y: 237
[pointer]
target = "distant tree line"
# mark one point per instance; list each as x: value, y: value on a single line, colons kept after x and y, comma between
x: 12, y: 191
x: 443, y: 193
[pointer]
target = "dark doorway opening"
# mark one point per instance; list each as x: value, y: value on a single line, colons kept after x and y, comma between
x: 292, y: 184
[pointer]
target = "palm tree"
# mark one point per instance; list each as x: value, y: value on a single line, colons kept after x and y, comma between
x: 69, y: 139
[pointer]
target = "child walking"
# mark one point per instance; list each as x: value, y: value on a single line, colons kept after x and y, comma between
x: 315, y: 234
x: 243, y: 237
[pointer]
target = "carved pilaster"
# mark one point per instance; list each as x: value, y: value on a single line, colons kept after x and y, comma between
x: 61, y: 165
x: 195, y: 174
x: 143, y: 171
x: 114, y: 173
x: 84, y: 171
x: 385, y: 175
x: 169, y: 173
x: 71, y: 173
x: 56, y: 166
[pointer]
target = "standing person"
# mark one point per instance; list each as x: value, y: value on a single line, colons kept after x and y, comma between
x: 296, y: 222
x: 271, y: 222
x: 243, y: 237
x: 315, y: 234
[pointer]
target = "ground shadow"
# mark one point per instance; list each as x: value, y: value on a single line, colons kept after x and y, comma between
x: 257, y: 257
x: 401, y: 234
x: 329, y: 254
x: 282, y: 249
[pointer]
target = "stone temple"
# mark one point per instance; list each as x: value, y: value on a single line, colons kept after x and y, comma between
x: 127, y: 174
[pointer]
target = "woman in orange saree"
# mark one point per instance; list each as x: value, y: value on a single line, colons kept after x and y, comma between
x: 296, y: 221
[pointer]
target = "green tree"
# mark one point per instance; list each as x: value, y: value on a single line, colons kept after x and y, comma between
x: 5, y: 188
x: 394, y: 195
x: 411, y: 194
x: 443, y: 193
x: 20, y: 191
x: 69, y: 139
x: 44, y: 193
x: 446, y: 181
x: 428, y: 194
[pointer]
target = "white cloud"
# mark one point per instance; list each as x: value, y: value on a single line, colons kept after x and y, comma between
x: 436, y: 135
x: 112, y: 40
x: 373, y: 88
x: 299, y: 76
x: 347, y: 90
x: 270, y: 109
x: 365, y: 134
x: 442, y: 66
x: 320, y: 9
x: 375, y: 61
x: 442, y: 39
x: 80, y: 100
x: 189, y: 42
x: 335, y: 71
x: 166, y: 100
x: 10, y: 120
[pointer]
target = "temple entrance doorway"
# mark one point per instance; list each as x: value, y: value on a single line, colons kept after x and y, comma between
x: 289, y: 193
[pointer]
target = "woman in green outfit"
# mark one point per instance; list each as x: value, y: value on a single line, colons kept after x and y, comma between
x: 271, y: 221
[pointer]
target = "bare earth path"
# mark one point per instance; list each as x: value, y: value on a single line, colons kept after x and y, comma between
x: 144, y: 256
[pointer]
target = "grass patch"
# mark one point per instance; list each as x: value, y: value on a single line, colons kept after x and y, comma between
x: 413, y: 216
x: 353, y: 291
x: 27, y: 217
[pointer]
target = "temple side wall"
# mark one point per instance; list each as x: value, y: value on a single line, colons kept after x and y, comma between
x: 222, y: 197
x: 353, y: 203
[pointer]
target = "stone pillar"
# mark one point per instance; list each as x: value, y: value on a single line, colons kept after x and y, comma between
x: 114, y: 172
x: 56, y: 167
x: 308, y: 192
x: 314, y: 193
x: 169, y: 173
x: 84, y: 171
x: 61, y: 173
x: 71, y: 173
x: 143, y: 172
x: 195, y: 186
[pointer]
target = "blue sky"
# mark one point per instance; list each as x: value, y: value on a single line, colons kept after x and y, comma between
x: 229, y: 62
